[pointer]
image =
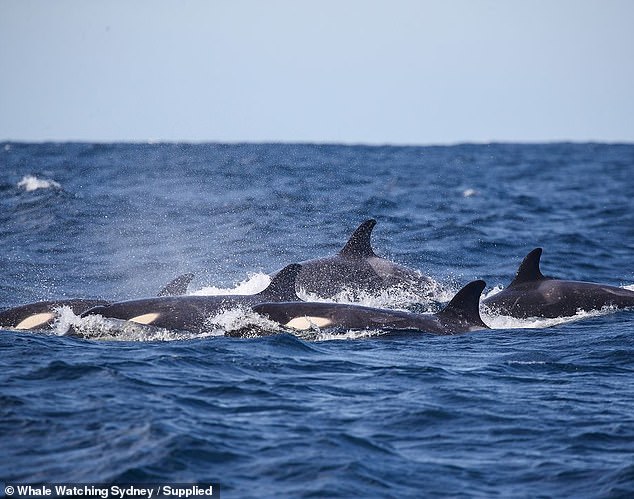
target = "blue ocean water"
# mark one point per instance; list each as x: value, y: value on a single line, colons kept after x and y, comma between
x: 529, y: 409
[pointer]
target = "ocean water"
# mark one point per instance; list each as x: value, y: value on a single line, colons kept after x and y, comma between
x: 536, y: 408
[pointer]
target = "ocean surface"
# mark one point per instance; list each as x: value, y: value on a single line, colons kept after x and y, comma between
x: 533, y: 408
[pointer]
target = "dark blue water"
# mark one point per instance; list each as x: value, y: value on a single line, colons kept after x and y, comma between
x: 530, y: 409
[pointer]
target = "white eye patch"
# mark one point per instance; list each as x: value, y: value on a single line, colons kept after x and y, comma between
x: 35, y: 320
x: 145, y: 318
x: 308, y: 322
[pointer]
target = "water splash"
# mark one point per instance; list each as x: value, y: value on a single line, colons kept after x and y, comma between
x: 329, y: 335
x: 253, y: 284
x: 31, y: 183
x: 497, y: 321
x: 395, y: 297
x: 494, y: 291
x: 242, y: 321
x: 96, y: 327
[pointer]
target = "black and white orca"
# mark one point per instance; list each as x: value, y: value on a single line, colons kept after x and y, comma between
x: 532, y: 294
x: 42, y: 314
x: 461, y: 315
x: 192, y: 313
x: 358, y: 269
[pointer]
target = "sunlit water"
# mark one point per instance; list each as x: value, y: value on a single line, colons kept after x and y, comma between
x: 531, y: 408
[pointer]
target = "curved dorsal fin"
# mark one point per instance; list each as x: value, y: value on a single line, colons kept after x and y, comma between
x: 359, y: 243
x: 177, y: 286
x: 528, y: 270
x: 282, y: 287
x: 466, y: 304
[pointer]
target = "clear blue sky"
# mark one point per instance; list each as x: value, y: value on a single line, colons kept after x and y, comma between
x: 350, y: 71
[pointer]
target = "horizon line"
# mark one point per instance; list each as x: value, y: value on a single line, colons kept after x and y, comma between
x: 319, y: 143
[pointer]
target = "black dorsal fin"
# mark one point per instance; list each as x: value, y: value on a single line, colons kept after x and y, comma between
x: 528, y: 270
x: 177, y: 286
x: 359, y: 243
x: 466, y: 305
x: 282, y: 287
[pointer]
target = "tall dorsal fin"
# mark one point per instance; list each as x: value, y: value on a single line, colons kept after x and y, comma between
x: 177, y: 286
x: 528, y: 270
x: 359, y: 243
x: 466, y: 305
x: 282, y: 287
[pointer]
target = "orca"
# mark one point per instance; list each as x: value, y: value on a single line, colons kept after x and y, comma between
x: 532, y: 294
x: 42, y: 314
x: 358, y: 269
x: 461, y: 315
x: 191, y: 313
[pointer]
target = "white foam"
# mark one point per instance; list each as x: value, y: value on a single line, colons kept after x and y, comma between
x: 95, y: 327
x: 496, y: 321
x: 65, y: 319
x: 32, y: 183
x: 395, y: 297
x: 493, y: 292
x: 443, y: 294
x: 392, y: 298
x: 629, y: 287
x: 252, y: 285
x: 351, y: 334
x: 467, y: 193
x: 242, y: 319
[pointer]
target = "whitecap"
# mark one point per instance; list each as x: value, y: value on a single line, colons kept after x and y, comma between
x: 32, y: 183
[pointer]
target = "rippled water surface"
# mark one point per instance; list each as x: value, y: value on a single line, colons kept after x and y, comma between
x: 536, y: 408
